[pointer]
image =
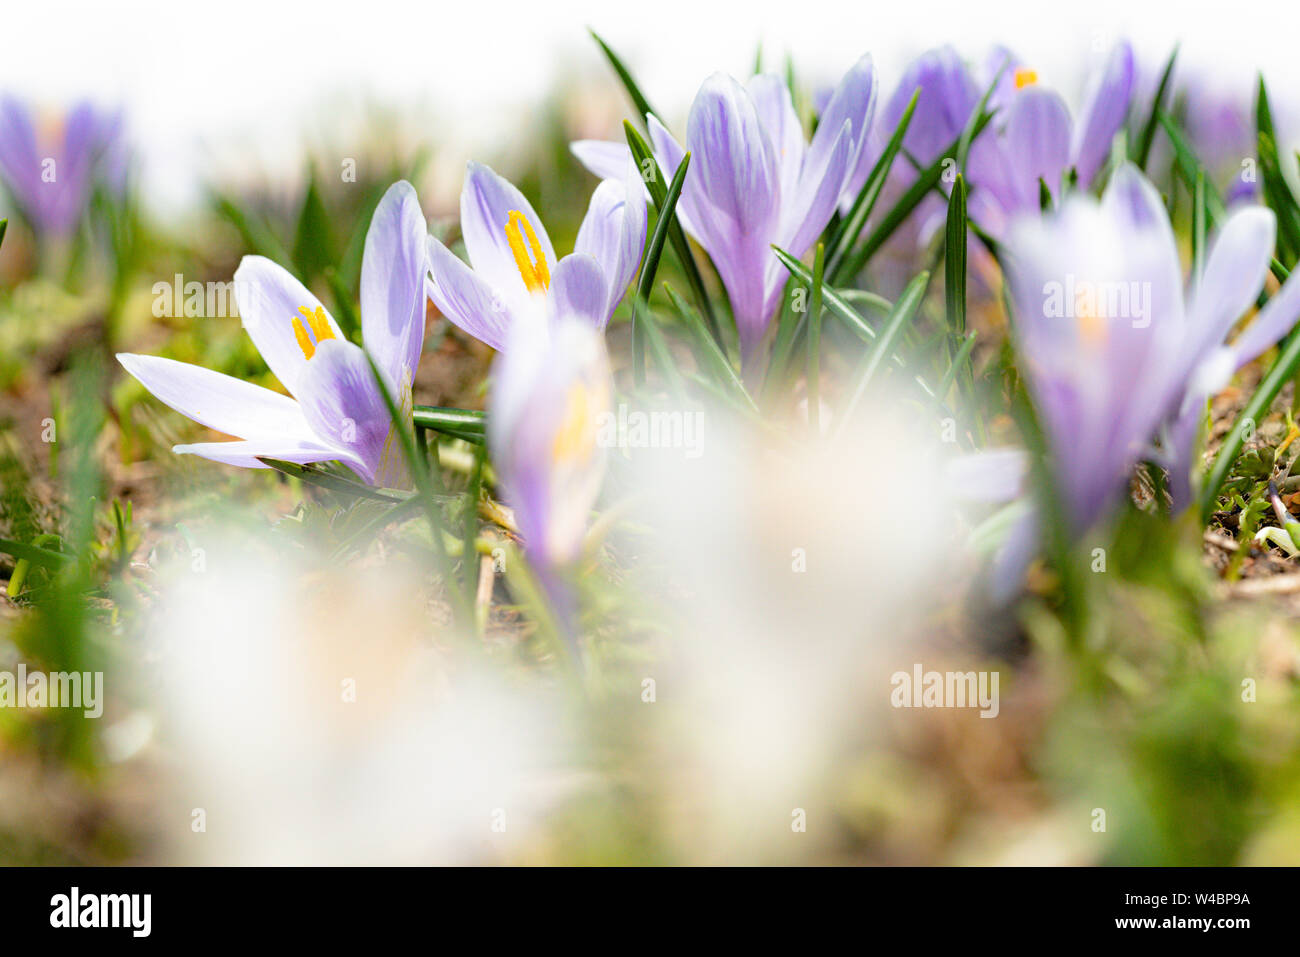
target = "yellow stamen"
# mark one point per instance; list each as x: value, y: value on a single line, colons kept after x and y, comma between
x: 1025, y: 77
x: 320, y: 329
x: 533, y: 268
x: 304, y: 341
x: 576, y: 435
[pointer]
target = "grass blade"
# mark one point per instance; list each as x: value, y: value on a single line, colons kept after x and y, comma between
x: 650, y: 265
x: 625, y: 77
x: 1142, y: 148
x: 865, y: 202
x: 904, y: 312
x: 815, y: 340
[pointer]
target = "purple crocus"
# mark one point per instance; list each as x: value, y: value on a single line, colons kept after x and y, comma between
x: 337, y: 411
x: 50, y: 177
x: 513, y: 265
x: 1034, y: 138
x: 754, y: 181
x: 551, y: 389
x: 1113, y: 350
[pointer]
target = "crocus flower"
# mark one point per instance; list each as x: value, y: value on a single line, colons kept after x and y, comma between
x: 512, y: 262
x: 337, y: 411
x: 754, y: 181
x: 1112, y: 347
x: 551, y: 388
x: 1034, y: 138
x: 50, y: 177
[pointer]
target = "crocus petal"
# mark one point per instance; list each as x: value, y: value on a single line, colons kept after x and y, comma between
x: 771, y: 96
x: 814, y: 201
x: 465, y: 299
x: 1038, y: 143
x: 269, y: 300
x: 246, y: 454
x: 607, y: 160
x: 486, y: 203
x: 1234, y: 275
x: 579, y: 290
x: 992, y: 476
x: 949, y: 95
x: 854, y: 102
x: 1104, y: 111
x: 613, y: 233
x: 393, y: 269
x: 735, y: 159
x: 342, y: 402
x: 218, y: 401
x: 738, y: 176
x: 551, y: 388
x: 20, y: 160
x: 1275, y: 320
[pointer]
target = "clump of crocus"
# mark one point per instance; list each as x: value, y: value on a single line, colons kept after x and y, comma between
x: 551, y: 388
x: 1113, y: 348
x: 513, y: 264
x: 51, y: 174
x: 337, y: 411
x: 1034, y: 142
x: 755, y: 181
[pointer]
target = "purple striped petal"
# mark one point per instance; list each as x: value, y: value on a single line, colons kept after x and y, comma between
x: 245, y: 454
x: 1105, y: 109
x: 218, y: 401
x: 342, y: 403
x: 1037, y: 139
x: 466, y: 299
x: 1234, y: 275
x: 579, y: 290
x: 486, y: 202
x: 614, y: 232
x: 393, y: 269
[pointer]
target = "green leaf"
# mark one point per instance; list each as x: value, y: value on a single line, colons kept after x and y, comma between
x: 849, y: 230
x: 650, y: 265
x: 904, y: 312
x: 441, y: 419
x: 707, y: 351
x: 4, y: 226
x: 1142, y: 148
x: 34, y: 554
x: 954, y: 257
x: 815, y: 339
x: 1275, y: 186
x: 644, y: 158
x: 256, y: 235
x: 331, y: 481
x: 625, y: 76
x: 424, y: 486
x: 1200, y: 224
x: 313, y: 242
x: 927, y: 180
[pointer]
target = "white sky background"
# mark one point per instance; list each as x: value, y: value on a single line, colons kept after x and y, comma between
x: 239, y: 85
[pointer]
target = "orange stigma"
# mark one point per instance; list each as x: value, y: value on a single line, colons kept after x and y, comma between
x: 1025, y: 78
